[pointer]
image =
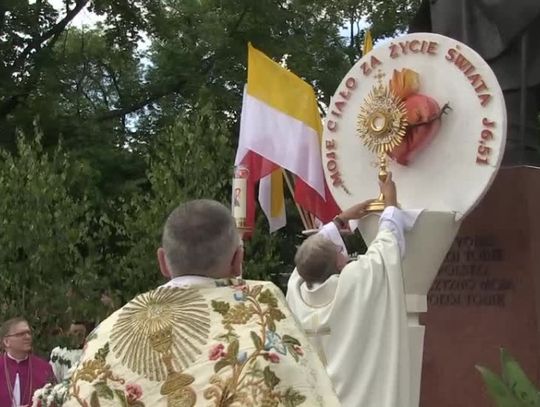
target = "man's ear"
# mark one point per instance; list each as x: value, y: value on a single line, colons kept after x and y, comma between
x: 163, y: 266
x: 236, y: 262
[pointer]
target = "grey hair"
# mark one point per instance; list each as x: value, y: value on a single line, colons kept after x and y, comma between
x: 316, y: 259
x: 199, y: 237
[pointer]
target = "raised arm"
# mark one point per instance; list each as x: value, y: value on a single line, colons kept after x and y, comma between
x: 392, y: 216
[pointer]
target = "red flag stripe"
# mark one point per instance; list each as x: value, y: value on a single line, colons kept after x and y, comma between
x: 309, y: 199
x: 258, y: 167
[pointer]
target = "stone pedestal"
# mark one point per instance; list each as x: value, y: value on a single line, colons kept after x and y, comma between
x: 486, y: 295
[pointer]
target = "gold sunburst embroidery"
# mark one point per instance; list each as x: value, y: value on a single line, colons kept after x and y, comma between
x: 161, y: 331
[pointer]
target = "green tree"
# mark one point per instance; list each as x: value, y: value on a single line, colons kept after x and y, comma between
x: 190, y: 159
x: 48, y: 249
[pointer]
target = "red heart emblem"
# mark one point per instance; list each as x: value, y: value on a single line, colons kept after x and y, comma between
x: 423, y: 116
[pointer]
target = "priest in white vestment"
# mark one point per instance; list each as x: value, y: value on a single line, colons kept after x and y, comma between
x: 354, y: 314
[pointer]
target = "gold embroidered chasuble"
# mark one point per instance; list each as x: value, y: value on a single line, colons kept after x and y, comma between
x: 207, y: 343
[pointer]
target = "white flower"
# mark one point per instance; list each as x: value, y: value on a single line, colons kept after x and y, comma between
x: 51, y: 395
x: 61, y: 391
x: 63, y: 359
x: 41, y: 395
x: 37, y: 397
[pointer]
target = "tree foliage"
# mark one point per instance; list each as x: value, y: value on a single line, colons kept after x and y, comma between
x: 196, y: 147
x: 48, y: 240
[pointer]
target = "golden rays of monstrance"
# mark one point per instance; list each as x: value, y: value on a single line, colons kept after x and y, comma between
x: 159, y: 328
x: 382, y: 120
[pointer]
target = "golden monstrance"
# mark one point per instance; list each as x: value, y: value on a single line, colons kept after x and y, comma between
x: 381, y: 125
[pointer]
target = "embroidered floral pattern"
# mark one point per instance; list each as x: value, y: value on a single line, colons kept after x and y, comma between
x: 133, y: 393
x: 273, y: 341
x: 217, y: 352
x: 244, y: 377
x: 246, y: 357
x: 240, y: 293
x: 98, y: 372
x: 272, y: 357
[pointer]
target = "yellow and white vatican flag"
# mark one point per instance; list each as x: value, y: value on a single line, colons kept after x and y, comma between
x: 368, y: 43
x: 280, y: 128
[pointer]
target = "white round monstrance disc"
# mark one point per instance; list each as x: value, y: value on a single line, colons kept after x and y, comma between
x: 456, y: 168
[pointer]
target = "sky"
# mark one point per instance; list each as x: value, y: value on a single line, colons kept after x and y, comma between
x: 88, y: 19
x: 85, y: 17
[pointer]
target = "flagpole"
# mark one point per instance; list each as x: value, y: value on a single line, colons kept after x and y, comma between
x: 312, y: 220
x: 288, y: 181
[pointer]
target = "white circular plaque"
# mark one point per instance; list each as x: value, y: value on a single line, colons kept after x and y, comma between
x: 453, y: 169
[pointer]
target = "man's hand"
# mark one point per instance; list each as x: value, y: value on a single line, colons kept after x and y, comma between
x: 355, y: 212
x: 388, y: 189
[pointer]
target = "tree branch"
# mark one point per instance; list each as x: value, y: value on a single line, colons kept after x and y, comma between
x: 2, y: 17
x: 87, y: 97
x: 239, y: 21
x: 150, y: 98
x: 9, y: 103
x: 54, y: 31
x: 109, y: 72
x: 155, y: 95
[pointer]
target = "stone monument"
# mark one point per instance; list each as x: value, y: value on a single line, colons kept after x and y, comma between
x: 429, y: 109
